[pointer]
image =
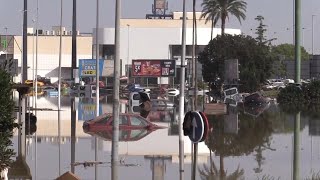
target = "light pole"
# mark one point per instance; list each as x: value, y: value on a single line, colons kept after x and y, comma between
x: 6, y: 45
x: 181, y: 98
x: 128, y: 51
x: 116, y: 82
x: 59, y: 84
x: 302, y: 36
x: 312, y: 34
x: 97, y: 87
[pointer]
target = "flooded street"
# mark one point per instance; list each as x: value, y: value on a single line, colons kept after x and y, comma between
x: 242, y: 145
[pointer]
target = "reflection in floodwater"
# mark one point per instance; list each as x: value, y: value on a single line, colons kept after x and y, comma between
x: 158, y: 166
x: 124, y: 135
x: 241, y: 145
x: 230, y: 137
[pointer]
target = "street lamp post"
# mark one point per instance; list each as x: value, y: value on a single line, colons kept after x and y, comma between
x: 302, y: 36
x: 312, y: 34
x: 6, y: 45
x: 128, y: 50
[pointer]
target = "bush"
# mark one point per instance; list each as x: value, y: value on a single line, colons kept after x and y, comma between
x: 300, y: 96
x: 6, y: 120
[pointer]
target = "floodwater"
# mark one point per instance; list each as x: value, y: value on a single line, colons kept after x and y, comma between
x: 241, y: 145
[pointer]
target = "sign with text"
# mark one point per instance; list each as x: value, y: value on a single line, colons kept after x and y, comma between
x: 87, y: 109
x: 153, y: 68
x: 87, y: 68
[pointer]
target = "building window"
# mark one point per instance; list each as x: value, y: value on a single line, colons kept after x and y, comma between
x: 108, y: 51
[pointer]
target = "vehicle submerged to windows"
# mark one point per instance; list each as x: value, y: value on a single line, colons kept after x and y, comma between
x: 127, y: 121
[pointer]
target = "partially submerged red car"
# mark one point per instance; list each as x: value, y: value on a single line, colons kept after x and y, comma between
x: 127, y: 121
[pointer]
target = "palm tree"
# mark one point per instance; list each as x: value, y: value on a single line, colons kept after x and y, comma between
x: 212, y: 173
x: 220, y: 9
x: 208, y: 12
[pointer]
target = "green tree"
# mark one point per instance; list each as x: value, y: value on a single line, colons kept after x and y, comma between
x: 287, y: 51
x: 209, y: 13
x: 261, y: 30
x: 255, y: 60
x: 6, y: 120
x: 221, y: 9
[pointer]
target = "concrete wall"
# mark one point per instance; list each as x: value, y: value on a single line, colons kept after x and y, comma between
x: 48, y: 54
x: 305, y: 69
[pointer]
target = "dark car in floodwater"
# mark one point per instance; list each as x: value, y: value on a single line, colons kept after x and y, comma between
x: 255, y: 99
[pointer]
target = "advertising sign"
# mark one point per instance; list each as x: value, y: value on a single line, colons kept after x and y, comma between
x: 87, y: 109
x: 160, y: 4
x: 153, y: 68
x: 87, y: 68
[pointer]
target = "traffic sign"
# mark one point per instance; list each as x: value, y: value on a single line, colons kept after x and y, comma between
x: 197, y: 127
x: 206, y: 126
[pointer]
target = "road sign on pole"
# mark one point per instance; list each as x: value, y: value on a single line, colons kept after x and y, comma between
x: 206, y: 126
x: 197, y: 127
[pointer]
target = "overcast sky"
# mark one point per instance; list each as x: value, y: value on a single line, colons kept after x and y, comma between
x: 278, y: 16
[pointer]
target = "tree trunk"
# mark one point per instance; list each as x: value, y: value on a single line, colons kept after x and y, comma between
x: 222, y: 174
x: 212, y: 26
x: 210, y: 157
x: 223, y: 24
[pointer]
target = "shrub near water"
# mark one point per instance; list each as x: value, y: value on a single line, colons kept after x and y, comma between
x: 6, y: 120
x: 300, y: 95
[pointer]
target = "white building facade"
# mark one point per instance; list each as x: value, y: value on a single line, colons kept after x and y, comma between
x: 154, y: 39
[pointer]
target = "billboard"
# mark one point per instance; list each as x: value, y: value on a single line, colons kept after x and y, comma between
x: 87, y: 68
x: 160, y: 4
x: 153, y: 68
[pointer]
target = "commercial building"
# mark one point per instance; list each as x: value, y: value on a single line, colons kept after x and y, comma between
x: 139, y: 39
x: 155, y: 39
x: 47, y: 53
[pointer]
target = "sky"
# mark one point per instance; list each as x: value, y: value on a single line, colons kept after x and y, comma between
x: 278, y: 16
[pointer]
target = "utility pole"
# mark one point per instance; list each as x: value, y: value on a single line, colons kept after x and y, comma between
x: 116, y: 82
x: 195, y: 61
x: 73, y: 67
x: 128, y: 51
x: 36, y: 72
x: 296, y: 139
x: 59, y: 84
x: 24, y: 43
x: 6, y: 44
x: 181, y: 97
x: 97, y: 86
x: 298, y: 41
x: 22, y: 97
x: 74, y: 40
x: 312, y: 44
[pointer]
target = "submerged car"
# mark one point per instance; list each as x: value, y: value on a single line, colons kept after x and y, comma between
x: 127, y: 121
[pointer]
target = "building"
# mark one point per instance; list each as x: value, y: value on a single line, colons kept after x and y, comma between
x: 139, y: 39
x: 48, y: 52
x: 155, y: 39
